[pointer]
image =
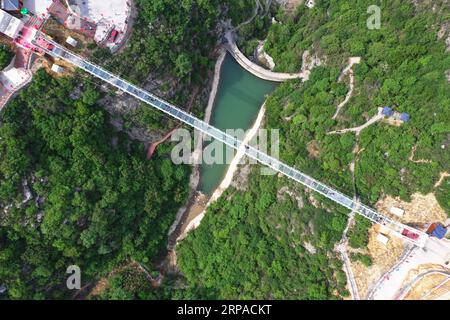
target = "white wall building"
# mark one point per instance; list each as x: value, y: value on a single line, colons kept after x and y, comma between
x: 397, y: 211
x: 310, y: 4
x: 382, y: 239
x: 10, y: 25
x: 56, y: 68
x: 72, y: 41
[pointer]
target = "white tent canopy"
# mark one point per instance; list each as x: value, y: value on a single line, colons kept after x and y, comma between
x: 10, y: 25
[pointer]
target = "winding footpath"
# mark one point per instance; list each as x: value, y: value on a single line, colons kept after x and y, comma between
x: 348, y: 70
x: 378, y: 117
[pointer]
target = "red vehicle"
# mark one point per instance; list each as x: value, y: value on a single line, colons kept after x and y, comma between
x: 410, y: 234
x: 113, y: 36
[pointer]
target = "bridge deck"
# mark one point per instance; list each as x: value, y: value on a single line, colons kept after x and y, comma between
x: 62, y: 53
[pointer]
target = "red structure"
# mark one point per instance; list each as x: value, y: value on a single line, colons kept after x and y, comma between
x: 113, y: 36
x: 410, y: 234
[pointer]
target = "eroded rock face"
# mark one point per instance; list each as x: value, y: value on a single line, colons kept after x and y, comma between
x: 309, y: 247
x: 240, y: 179
x: 310, y: 61
x: 263, y: 57
x: 292, y: 194
x: 447, y: 74
x: 444, y: 33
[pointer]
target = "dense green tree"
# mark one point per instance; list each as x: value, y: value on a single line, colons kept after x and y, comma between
x: 5, y: 56
x: 95, y: 200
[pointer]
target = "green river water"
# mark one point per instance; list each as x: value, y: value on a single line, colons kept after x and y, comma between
x: 239, y: 98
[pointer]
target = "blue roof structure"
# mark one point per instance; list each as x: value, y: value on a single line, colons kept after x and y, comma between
x: 387, y: 111
x: 405, y: 117
x: 439, y: 232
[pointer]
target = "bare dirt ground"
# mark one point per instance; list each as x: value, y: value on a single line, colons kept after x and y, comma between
x: 290, y: 5
x: 100, y: 287
x: 392, y: 122
x: 429, y: 288
x: 414, y: 273
x: 425, y: 281
x: 383, y: 256
x: 59, y: 33
x: 313, y: 149
x: 426, y: 285
x: 46, y: 63
x: 422, y: 209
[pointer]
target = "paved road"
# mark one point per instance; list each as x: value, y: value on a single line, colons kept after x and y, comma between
x: 405, y: 290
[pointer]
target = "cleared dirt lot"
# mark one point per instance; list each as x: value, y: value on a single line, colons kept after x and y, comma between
x: 422, y: 209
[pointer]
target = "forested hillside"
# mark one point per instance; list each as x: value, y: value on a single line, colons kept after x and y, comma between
x: 403, y: 65
x: 252, y: 246
x: 263, y: 244
x: 177, y: 38
x: 5, y: 56
x: 73, y: 191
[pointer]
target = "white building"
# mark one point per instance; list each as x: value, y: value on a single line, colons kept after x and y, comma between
x: 10, y: 25
x: 382, y: 238
x: 56, y: 68
x: 13, y: 78
x: 397, y: 211
x: 72, y: 41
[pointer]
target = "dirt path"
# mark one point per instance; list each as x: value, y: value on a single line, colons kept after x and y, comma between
x: 441, y: 179
x: 342, y: 247
x: 348, y: 70
x: 152, y: 148
x: 411, y: 157
x: 378, y: 117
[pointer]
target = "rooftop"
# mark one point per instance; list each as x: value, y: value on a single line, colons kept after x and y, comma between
x: 10, y: 5
x: 10, y: 25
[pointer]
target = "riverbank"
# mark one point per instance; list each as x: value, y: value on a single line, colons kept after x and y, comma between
x: 226, y: 182
x: 235, y: 101
x: 194, y: 205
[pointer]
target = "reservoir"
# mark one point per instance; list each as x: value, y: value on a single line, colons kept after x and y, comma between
x: 239, y: 98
